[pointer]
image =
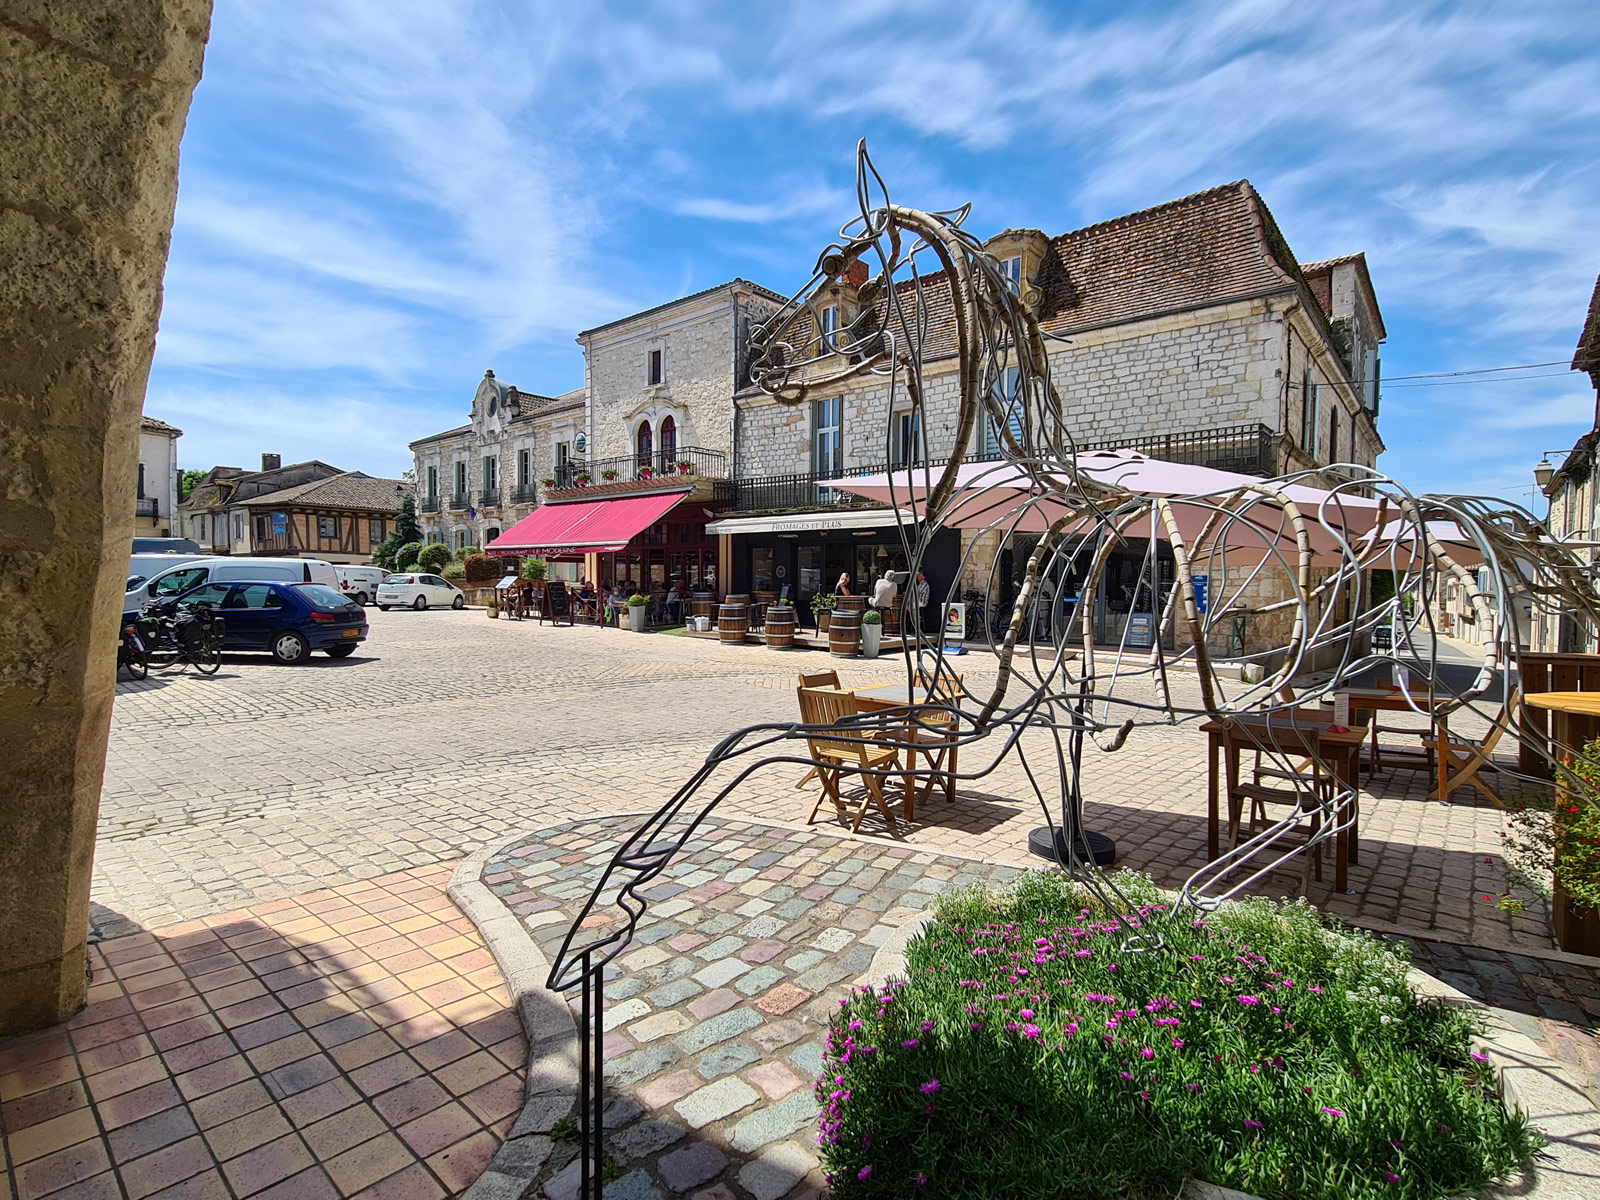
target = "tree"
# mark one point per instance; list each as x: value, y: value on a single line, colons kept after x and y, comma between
x: 406, y: 557
x: 406, y: 528
x: 433, y: 557
x: 187, y: 480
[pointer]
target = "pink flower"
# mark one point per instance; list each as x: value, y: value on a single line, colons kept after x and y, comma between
x: 1027, y: 1014
x: 1194, y: 1087
x: 864, y: 1173
x: 1333, y: 1112
x: 909, y: 1044
x: 1030, y: 1030
x: 1480, y: 1057
x: 1147, y: 1052
x: 1253, y: 1124
x: 930, y: 1087
x: 1389, y: 1176
x: 1177, y: 1043
x: 1249, y: 1000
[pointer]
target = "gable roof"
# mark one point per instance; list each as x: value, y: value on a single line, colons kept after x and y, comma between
x: 151, y: 425
x: 734, y: 282
x: 1587, y: 355
x: 1320, y: 276
x: 350, y: 489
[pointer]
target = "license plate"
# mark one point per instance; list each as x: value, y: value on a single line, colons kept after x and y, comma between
x: 352, y: 633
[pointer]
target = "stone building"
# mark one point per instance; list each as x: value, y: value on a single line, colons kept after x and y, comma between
x: 1188, y: 331
x: 1574, y: 493
x: 653, y: 419
x: 156, y: 500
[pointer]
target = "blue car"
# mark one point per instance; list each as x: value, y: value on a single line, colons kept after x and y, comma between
x: 289, y: 620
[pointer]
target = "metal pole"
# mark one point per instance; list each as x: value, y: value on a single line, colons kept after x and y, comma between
x: 584, y: 1188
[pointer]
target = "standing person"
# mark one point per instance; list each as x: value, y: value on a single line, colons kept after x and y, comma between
x: 923, y: 592
x: 842, y: 588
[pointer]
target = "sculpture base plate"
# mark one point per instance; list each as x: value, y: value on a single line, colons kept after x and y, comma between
x: 1051, y: 843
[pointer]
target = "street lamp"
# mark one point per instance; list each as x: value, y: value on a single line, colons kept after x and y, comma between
x: 1543, y: 472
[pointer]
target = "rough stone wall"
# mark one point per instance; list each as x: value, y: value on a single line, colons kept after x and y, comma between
x: 93, y: 99
x: 697, y: 340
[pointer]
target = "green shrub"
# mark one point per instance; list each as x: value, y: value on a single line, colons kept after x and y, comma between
x: 1043, y: 1048
x: 465, y: 553
x: 637, y: 601
x: 405, y: 558
x: 535, y: 568
x: 434, y: 556
x: 872, y: 617
x: 453, y: 571
x: 481, y: 568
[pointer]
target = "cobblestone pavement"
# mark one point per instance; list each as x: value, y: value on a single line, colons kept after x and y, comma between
x: 350, y: 1042
x: 714, y: 1021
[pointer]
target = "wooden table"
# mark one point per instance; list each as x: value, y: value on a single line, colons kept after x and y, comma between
x: 1305, y: 733
x: 888, y: 697
x: 1376, y: 700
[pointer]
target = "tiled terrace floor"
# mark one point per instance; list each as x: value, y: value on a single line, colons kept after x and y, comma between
x: 347, y: 1042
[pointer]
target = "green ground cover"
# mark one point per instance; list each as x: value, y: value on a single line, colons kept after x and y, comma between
x: 1033, y: 1051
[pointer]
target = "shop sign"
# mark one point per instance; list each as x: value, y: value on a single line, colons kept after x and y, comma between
x: 1141, y: 630
x: 955, y: 623
x: 280, y: 524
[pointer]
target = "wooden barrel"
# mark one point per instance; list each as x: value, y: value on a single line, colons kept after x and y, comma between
x: 758, y: 610
x: 850, y: 603
x: 780, y: 626
x: 891, y: 620
x: 736, y: 598
x: 703, y: 604
x: 733, y: 622
x: 844, y: 633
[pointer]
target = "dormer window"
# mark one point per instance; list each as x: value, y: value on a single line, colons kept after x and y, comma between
x: 655, y: 368
x: 830, y: 328
x: 1011, y: 270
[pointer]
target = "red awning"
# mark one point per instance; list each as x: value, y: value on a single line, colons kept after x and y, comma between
x: 584, y: 526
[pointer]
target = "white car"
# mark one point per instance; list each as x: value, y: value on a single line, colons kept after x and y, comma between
x: 187, y: 573
x: 418, y: 590
x: 360, y: 583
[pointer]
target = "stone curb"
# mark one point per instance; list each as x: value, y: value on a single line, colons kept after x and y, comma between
x: 1553, y: 1098
x: 552, y: 1083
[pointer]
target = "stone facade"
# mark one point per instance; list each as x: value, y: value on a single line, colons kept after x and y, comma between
x: 156, y: 499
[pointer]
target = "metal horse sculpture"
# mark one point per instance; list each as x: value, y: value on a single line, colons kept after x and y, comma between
x: 1256, y: 537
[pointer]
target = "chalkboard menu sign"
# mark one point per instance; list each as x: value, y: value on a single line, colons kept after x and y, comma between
x: 556, y: 604
x: 1141, y: 630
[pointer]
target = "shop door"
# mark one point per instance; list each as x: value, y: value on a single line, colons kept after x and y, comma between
x: 837, y: 560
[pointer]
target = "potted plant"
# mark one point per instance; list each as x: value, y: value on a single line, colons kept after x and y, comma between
x: 493, y: 605
x: 609, y: 474
x: 685, y: 467
x: 549, y: 481
x: 535, y: 569
x: 645, y: 472
x: 871, y: 631
x: 637, y: 612
x: 581, y: 479
x: 1553, y: 846
x: 821, y: 609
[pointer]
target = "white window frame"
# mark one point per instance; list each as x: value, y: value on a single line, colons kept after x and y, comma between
x: 1007, y: 387
x: 1011, y: 268
x: 907, y: 437
x: 827, y: 439
x: 830, y: 328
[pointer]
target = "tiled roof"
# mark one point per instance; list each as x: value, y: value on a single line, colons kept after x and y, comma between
x: 1587, y: 356
x: 434, y: 437
x: 352, y: 489
x: 155, y: 426
x: 1207, y: 249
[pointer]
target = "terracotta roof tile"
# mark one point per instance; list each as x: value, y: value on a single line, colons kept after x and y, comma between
x: 1587, y: 356
x: 352, y: 489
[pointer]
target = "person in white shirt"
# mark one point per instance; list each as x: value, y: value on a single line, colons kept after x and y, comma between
x: 885, y: 591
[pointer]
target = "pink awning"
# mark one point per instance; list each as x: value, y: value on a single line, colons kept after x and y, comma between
x: 585, y: 526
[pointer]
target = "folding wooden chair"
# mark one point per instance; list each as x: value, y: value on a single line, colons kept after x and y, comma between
x: 816, y: 679
x: 856, y: 752
x: 1460, y: 761
x: 934, y: 733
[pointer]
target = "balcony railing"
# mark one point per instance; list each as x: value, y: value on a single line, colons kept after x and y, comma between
x: 147, y: 506
x: 489, y: 498
x: 430, y: 504
x: 1244, y: 449
x: 459, y: 501
x: 707, y: 464
x: 524, y: 494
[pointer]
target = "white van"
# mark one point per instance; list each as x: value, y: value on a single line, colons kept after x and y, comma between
x: 222, y: 568
x: 360, y: 583
x: 144, y: 567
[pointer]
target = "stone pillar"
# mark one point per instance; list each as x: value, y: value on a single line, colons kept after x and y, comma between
x: 93, y: 97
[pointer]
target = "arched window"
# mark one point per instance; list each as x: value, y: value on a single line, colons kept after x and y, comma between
x: 669, y: 443
x: 644, y: 444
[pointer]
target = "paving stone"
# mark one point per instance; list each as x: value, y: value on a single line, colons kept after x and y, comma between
x: 709, y: 1005
x: 719, y: 973
x: 620, y: 1014
x: 673, y: 994
x: 715, y: 1101
x: 777, y: 1171
x: 804, y: 961
x: 822, y: 976
x: 661, y: 1025
x: 671, y: 972
x: 773, y: 1122
x: 718, y: 1029
x: 628, y: 1070
x: 808, y: 1058
x: 643, y: 1137
x: 621, y: 1109
x: 831, y: 940
x: 761, y: 927
x: 667, y: 1089
x: 690, y: 1167
x: 776, y: 1034
x: 763, y: 951
x: 758, y: 980
x: 726, y: 1059
x: 635, y: 1185
x: 857, y: 960
x: 774, y: 1079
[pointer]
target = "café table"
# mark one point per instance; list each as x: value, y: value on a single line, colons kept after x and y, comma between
x: 888, y: 697
x: 1575, y: 715
x: 1380, y: 699
x: 1297, y: 734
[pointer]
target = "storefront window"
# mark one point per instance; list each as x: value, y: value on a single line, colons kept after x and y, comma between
x: 761, y: 569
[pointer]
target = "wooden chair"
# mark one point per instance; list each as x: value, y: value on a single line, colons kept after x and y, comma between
x: 817, y: 679
x: 856, y: 752
x: 1460, y: 761
x: 934, y: 733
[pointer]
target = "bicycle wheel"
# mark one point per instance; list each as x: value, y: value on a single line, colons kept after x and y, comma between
x: 208, y: 658
x: 138, y: 666
x: 163, y: 654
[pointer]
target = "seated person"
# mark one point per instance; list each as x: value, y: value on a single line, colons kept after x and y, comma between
x: 617, y: 601
x: 675, y: 604
x: 885, y: 591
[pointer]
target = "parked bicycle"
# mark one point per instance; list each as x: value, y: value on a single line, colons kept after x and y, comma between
x: 177, y: 634
x: 131, y: 652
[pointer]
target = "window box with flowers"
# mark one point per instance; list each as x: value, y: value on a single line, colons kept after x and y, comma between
x: 581, y: 479
x: 645, y: 472
x: 548, y: 481
x: 608, y: 474
x: 1553, y: 847
x: 1042, y: 1046
x: 685, y: 468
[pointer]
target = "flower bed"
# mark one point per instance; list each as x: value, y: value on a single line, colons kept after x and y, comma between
x: 1034, y: 1051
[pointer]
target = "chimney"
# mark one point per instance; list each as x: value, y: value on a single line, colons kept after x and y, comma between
x: 271, y: 462
x: 855, y: 272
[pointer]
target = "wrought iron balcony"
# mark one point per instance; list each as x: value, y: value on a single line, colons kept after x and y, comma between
x: 429, y: 504
x: 524, y: 494
x: 147, y: 506
x: 706, y: 464
x: 489, y: 498
x: 459, y: 502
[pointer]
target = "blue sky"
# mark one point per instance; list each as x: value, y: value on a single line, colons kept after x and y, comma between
x: 378, y: 200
